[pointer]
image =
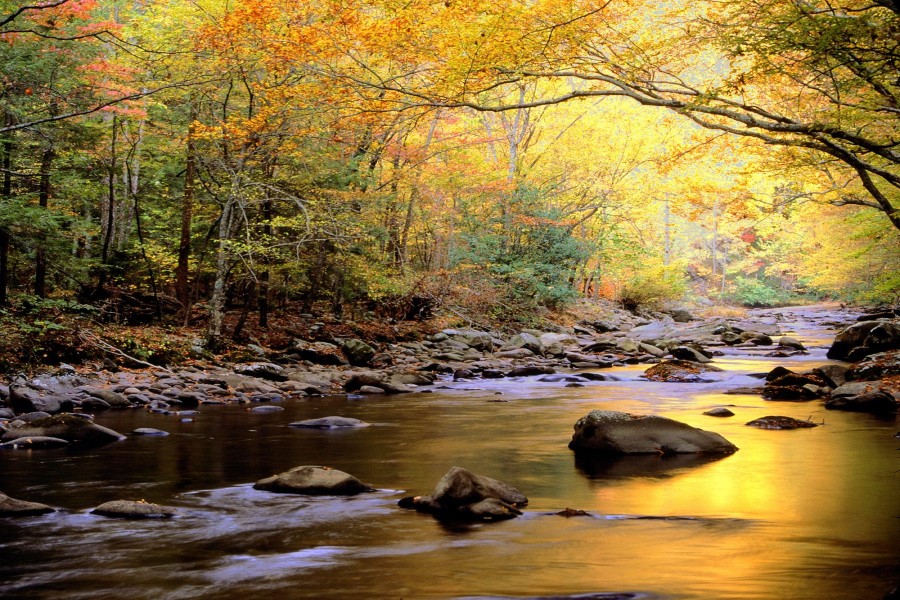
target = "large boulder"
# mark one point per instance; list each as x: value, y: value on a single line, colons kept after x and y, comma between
x: 522, y: 340
x: 613, y: 432
x: 862, y: 339
x: 23, y: 399
x: 314, y: 481
x: 461, y: 494
x: 472, y: 338
x: 75, y: 429
x: 11, y: 507
x: 875, y: 366
x: 878, y: 402
x: 358, y: 352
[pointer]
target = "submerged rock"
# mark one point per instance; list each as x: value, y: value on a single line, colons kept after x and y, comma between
x: 613, y: 432
x: 134, y: 509
x: 313, y: 480
x: 11, y: 507
x: 330, y: 423
x: 39, y: 441
x: 572, y: 512
x: 150, y: 431
x: 266, y: 408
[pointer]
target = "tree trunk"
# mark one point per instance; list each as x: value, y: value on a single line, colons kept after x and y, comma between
x: 40, y: 263
x: 667, y: 256
x: 182, y: 287
x: 217, y: 301
x: 110, y: 218
x: 263, y: 295
x: 5, y: 196
x: 715, y: 235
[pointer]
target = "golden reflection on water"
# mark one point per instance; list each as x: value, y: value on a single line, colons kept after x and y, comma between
x: 806, y: 514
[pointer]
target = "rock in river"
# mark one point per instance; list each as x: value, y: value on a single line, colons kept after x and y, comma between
x: 10, y: 507
x: 719, y: 411
x: 312, y: 480
x: 130, y: 509
x: 682, y: 371
x: 461, y: 494
x: 70, y: 427
x: 150, y: 431
x: 330, y: 423
x: 862, y: 339
x: 39, y: 441
x: 613, y: 432
x: 777, y: 422
x: 877, y: 402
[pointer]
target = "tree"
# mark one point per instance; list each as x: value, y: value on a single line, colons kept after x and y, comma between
x: 813, y: 78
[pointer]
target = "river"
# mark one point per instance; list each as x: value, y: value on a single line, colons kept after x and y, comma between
x: 804, y: 514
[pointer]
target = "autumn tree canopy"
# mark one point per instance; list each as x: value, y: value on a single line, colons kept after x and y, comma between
x: 207, y: 158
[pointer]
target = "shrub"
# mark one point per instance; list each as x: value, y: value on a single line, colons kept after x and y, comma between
x: 651, y: 288
x: 752, y: 292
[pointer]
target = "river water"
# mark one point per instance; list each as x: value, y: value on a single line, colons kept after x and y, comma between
x: 805, y: 514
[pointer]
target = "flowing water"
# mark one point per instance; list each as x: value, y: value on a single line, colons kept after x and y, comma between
x: 811, y: 513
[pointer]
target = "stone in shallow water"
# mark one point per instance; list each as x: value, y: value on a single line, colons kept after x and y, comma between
x: 720, y: 411
x: 463, y: 495
x: 67, y: 426
x: 268, y: 408
x: 11, y: 507
x: 681, y: 371
x: 878, y: 402
x: 614, y: 432
x: 149, y: 431
x: 134, y: 509
x: 330, y: 423
x: 313, y: 480
x: 778, y: 422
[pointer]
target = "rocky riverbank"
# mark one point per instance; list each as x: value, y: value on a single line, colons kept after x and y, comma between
x: 678, y: 346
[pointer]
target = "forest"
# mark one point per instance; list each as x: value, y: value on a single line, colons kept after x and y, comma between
x: 212, y: 164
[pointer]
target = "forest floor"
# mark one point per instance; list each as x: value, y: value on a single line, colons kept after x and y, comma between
x: 34, y: 339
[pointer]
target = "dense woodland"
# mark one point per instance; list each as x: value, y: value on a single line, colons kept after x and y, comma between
x: 182, y: 161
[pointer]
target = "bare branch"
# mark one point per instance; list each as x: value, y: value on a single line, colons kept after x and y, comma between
x: 12, y: 17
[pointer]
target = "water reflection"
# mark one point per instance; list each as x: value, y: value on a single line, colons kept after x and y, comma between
x: 794, y: 514
x: 608, y: 468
